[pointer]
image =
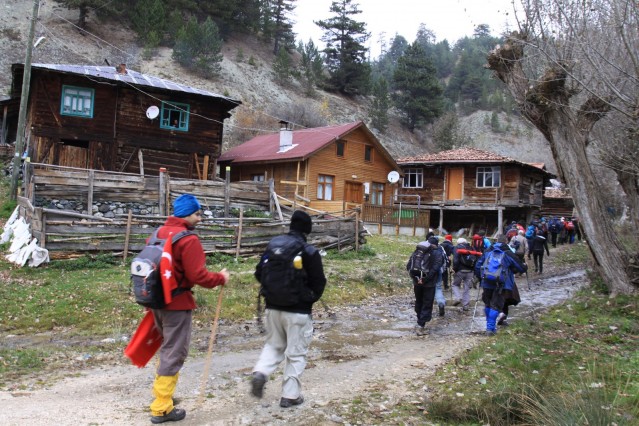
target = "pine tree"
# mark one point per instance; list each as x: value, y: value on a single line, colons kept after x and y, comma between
x: 282, y: 25
x: 148, y: 16
x: 311, y: 65
x: 345, y: 52
x: 418, y: 94
x: 282, y: 66
x: 85, y: 6
x: 378, y: 110
x: 198, y: 47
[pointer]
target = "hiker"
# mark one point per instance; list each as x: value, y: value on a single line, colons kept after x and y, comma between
x: 539, y: 243
x: 478, y: 243
x: 174, y: 321
x: 575, y: 222
x: 482, y: 234
x: 570, y: 231
x: 447, y: 245
x: 423, y: 267
x: 289, y: 325
x: 439, y: 292
x: 554, y: 228
x: 562, y: 231
x: 496, y: 270
x: 464, y: 259
x: 520, y: 244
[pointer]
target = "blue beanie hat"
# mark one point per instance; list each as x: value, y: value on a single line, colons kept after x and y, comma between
x: 185, y: 205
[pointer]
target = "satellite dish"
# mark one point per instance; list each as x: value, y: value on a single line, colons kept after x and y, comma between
x: 393, y: 176
x: 152, y: 112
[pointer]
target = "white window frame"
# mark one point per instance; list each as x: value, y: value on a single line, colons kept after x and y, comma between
x: 488, y: 177
x: 417, y: 174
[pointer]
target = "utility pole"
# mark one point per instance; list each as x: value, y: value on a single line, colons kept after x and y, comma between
x: 24, y: 100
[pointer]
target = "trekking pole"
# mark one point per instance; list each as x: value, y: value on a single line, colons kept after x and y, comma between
x: 472, y: 324
x: 328, y: 310
x: 209, y: 356
x: 527, y: 281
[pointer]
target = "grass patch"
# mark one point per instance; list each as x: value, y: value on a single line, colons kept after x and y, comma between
x: 86, y: 300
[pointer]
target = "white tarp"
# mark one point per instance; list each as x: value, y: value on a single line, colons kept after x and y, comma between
x: 23, y: 248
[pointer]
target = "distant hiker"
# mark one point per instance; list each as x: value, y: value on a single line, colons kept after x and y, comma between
x: 562, y: 231
x: 448, y: 246
x: 482, y: 233
x: 554, y: 227
x: 539, y: 244
x: 575, y: 221
x: 478, y: 243
x: 424, y: 267
x: 570, y: 231
x: 520, y: 245
x: 495, y: 270
x: 439, y: 292
x: 512, y: 232
x: 464, y: 259
x: 175, y: 320
x: 292, y: 278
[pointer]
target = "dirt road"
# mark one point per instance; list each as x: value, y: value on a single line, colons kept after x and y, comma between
x: 351, y: 352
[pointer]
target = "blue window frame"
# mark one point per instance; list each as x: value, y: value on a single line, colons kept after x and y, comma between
x: 77, y: 101
x: 174, y: 116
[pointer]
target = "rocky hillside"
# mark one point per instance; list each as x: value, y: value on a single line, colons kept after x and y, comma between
x: 246, y: 75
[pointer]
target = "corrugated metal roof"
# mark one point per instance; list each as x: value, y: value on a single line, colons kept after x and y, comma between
x: 305, y: 142
x: 131, y: 77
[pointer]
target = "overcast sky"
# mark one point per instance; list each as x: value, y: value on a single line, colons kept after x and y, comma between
x: 448, y: 19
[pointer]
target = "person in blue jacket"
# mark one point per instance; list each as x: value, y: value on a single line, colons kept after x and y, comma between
x: 498, y: 295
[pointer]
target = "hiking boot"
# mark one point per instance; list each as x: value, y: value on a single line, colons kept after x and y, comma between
x: 288, y: 402
x: 257, y: 384
x: 490, y: 333
x: 456, y: 302
x: 441, y: 310
x: 421, y: 330
x: 175, y: 415
x: 501, y: 318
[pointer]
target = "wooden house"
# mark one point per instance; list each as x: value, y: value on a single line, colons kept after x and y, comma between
x: 115, y: 119
x: 326, y: 168
x: 468, y: 187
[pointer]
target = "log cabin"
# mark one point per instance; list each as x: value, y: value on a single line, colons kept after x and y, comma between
x: 472, y: 188
x: 329, y: 168
x: 116, y: 119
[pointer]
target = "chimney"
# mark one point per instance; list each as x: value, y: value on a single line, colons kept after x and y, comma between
x: 286, y: 135
x: 121, y: 69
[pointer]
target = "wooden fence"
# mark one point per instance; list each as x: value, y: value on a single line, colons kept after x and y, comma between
x: 66, y: 231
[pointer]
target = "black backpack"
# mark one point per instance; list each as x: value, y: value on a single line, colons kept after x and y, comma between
x: 145, y: 272
x: 417, y: 265
x: 466, y: 258
x: 282, y: 275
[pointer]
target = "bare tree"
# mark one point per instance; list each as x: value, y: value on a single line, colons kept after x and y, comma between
x: 573, y: 68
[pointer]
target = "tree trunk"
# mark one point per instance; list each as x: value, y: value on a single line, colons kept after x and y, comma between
x: 545, y: 103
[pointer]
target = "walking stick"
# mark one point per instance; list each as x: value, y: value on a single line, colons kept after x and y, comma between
x: 472, y: 324
x: 207, y: 364
x: 527, y: 281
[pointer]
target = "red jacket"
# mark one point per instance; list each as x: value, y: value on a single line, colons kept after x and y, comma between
x: 189, y: 264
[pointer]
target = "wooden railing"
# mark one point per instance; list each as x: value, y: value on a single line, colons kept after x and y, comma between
x: 396, y: 215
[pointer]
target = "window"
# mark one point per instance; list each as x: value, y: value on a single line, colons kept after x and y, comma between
x: 340, y: 148
x: 175, y: 116
x: 413, y: 178
x: 325, y: 187
x: 77, y: 101
x: 377, y: 193
x: 368, y: 153
x: 257, y: 178
x: 489, y: 177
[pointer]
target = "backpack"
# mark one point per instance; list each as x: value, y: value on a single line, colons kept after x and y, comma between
x: 468, y: 258
x: 478, y: 244
x: 569, y: 226
x: 282, y: 276
x: 145, y: 272
x: 554, y: 226
x: 492, y: 269
x: 418, y: 263
x: 446, y: 262
x: 530, y: 232
x: 516, y: 245
x: 512, y: 233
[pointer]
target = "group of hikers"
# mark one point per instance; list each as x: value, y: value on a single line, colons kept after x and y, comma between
x: 494, y: 265
x: 291, y: 275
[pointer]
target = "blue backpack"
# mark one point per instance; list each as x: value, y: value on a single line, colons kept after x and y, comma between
x: 530, y: 232
x: 554, y: 226
x: 493, y: 268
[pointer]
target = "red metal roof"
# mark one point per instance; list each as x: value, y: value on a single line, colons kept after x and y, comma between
x: 305, y: 142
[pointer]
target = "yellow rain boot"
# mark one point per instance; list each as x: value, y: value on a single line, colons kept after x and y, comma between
x: 162, y: 409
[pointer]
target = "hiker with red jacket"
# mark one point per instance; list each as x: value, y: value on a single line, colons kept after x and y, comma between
x: 496, y: 270
x: 174, y: 321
